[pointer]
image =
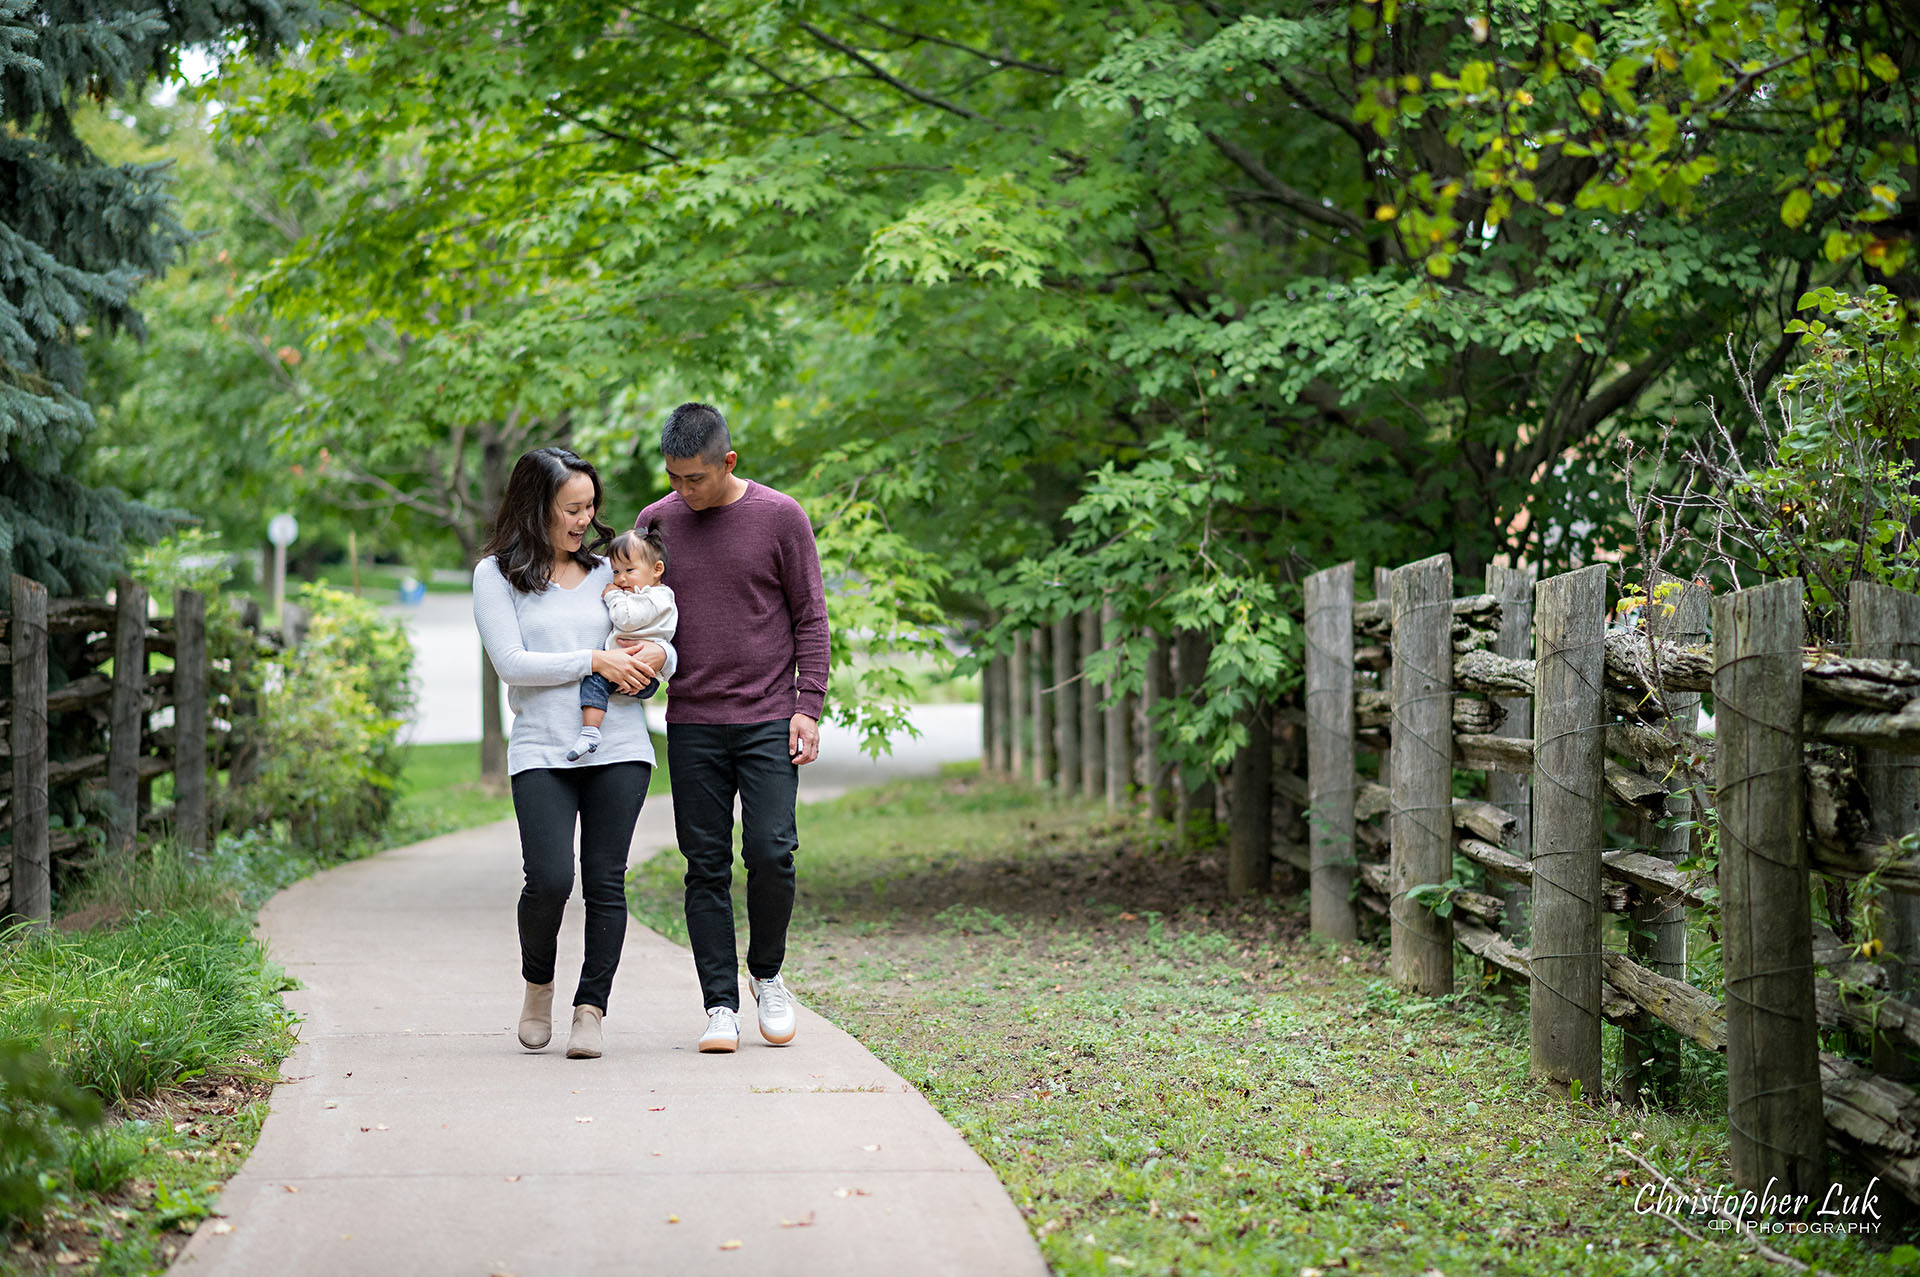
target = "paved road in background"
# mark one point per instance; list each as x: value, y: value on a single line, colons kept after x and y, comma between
x: 447, y: 667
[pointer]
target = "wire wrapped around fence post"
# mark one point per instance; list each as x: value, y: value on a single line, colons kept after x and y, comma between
x: 1775, y: 1119
x: 1570, y: 619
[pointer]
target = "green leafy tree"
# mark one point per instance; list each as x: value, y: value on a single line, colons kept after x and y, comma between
x: 1041, y: 305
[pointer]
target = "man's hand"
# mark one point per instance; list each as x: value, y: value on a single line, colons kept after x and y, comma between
x: 803, y: 739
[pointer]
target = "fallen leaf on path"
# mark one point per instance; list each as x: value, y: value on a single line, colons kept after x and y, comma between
x: 380, y: 1127
x: 333, y: 1104
x: 365, y: 1129
x: 583, y: 1119
x: 673, y: 1219
x: 220, y: 1228
x: 656, y: 1108
x: 731, y: 1245
x: 513, y: 1179
x: 871, y: 1148
x: 290, y: 1188
x: 798, y: 1223
x: 851, y: 1192
x: 68, y: 1258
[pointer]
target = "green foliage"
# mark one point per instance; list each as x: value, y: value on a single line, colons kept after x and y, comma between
x: 1818, y: 481
x: 38, y: 1107
x: 980, y: 285
x: 1570, y: 109
x: 330, y: 715
x: 77, y: 237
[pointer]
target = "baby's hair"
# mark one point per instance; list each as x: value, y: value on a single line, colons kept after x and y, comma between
x: 640, y: 544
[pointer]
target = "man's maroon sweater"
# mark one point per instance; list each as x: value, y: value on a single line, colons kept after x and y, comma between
x: 753, y: 613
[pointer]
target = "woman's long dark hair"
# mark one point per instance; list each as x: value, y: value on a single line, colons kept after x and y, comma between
x: 519, y: 537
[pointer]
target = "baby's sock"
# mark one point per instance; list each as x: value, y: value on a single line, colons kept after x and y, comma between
x: 588, y: 741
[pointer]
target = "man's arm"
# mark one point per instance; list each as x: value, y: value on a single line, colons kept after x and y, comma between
x: 812, y: 650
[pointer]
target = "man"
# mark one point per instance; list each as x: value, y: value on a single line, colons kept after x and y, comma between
x: 743, y: 713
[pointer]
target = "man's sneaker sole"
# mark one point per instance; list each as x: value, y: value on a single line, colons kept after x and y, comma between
x: 719, y: 1046
x: 777, y: 1041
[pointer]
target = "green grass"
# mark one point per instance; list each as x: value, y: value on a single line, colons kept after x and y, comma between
x: 151, y: 993
x: 1169, y: 1082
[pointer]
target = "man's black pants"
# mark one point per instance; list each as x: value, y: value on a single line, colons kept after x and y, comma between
x: 708, y: 763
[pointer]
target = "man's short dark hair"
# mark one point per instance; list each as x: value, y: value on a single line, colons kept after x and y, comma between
x: 696, y: 430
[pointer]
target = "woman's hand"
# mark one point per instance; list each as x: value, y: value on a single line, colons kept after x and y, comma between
x: 629, y: 670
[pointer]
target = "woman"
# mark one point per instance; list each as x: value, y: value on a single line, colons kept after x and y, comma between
x: 536, y: 600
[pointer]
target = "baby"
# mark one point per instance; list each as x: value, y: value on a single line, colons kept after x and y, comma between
x: 640, y: 607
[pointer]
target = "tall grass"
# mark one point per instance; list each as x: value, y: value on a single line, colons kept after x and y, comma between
x: 129, y: 1011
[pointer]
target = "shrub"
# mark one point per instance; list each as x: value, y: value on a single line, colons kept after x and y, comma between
x: 330, y: 717
x: 1818, y: 481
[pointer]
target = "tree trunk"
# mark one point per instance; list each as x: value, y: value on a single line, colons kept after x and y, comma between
x: 493, y: 739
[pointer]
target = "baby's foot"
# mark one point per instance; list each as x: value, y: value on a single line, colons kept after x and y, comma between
x: 588, y: 741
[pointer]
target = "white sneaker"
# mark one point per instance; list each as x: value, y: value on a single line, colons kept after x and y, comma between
x: 779, y: 1013
x: 723, y: 1031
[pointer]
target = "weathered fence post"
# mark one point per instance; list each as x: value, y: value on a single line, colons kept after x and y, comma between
x: 1330, y: 775
x: 1195, y: 796
x: 1018, y: 707
x: 1420, y: 956
x: 1507, y: 790
x: 190, y: 718
x: 1774, y: 1114
x: 1154, y: 771
x: 1570, y: 621
x: 1677, y: 610
x: 1383, y: 591
x: 32, y: 851
x: 1250, y: 829
x: 1886, y: 625
x: 1119, y: 730
x: 1042, y: 709
x: 126, y: 715
x: 1093, y: 740
x: 1066, y: 704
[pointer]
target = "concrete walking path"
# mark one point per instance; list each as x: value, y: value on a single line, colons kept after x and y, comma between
x: 414, y: 1136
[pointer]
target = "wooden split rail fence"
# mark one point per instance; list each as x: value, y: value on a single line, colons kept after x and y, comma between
x: 39, y: 635
x: 1811, y: 778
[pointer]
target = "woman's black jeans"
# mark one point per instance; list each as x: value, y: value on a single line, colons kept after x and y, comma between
x: 607, y: 800
x: 709, y: 763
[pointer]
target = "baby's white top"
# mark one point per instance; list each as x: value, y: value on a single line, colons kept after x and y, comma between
x: 542, y: 645
x: 648, y: 612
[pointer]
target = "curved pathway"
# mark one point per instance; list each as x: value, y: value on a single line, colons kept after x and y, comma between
x: 413, y: 1135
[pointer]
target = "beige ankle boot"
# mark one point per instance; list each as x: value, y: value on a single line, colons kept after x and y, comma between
x: 536, y: 1016
x: 586, y: 1033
